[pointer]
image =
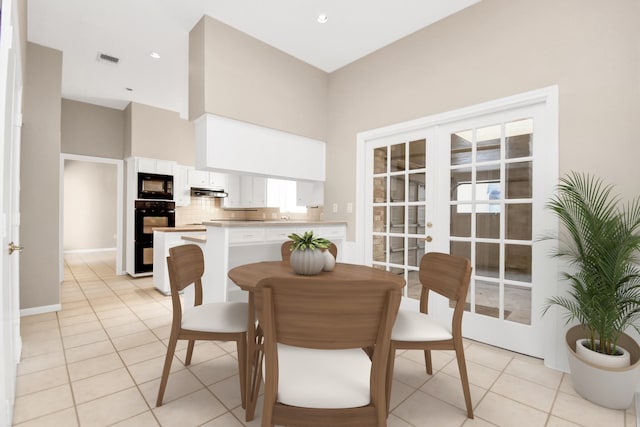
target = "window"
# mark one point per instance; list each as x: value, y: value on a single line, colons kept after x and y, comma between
x: 491, y: 190
x: 281, y: 193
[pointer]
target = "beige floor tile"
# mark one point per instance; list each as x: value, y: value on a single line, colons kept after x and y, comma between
x: 74, y: 320
x: 89, y: 351
x: 123, y: 319
x: 534, y: 372
x: 393, y: 421
x: 50, y: 324
x: 35, y: 347
x: 202, y: 352
x: 143, y: 352
x: 215, y: 370
x: 228, y: 392
x: 439, y: 358
x: 487, y: 356
x: 191, y: 410
x: 134, y: 340
x: 506, y: 412
x: 158, y: 321
x: 151, y: 369
x: 180, y: 383
x: 421, y: 409
x: 146, y: 419
x: 79, y: 308
x: 525, y: 391
x: 39, y: 363
x: 101, y: 385
x: 109, y: 314
x: 399, y: 393
x: 409, y: 372
x: 66, y: 418
x: 42, y: 380
x: 41, y: 403
x: 449, y: 389
x: 127, y: 329
x: 80, y: 328
x: 477, y: 422
x: 226, y: 420
x: 559, y: 422
x: 37, y: 318
x: 112, y: 408
x: 583, y: 412
x: 479, y: 375
x: 84, y: 339
x: 94, y: 366
x: 162, y: 332
x: 566, y: 385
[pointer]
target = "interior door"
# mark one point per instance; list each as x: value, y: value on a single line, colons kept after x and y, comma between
x: 10, y: 108
x: 474, y: 186
x: 496, y: 186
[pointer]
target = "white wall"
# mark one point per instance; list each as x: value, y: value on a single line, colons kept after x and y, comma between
x: 90, y: 191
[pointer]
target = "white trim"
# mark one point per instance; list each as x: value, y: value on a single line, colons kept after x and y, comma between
x: 86, y: 251
x: 40, y: 310
x: 119, y: 206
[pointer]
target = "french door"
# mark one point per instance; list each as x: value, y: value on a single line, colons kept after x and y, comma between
x: 474, y: 187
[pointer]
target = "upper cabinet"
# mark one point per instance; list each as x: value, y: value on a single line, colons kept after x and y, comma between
x: 257, y: 150
x: 206, y: 179
x: 163, y: 167
x: 309, y: 193
x: 181, y: 187
x: 253, y: 191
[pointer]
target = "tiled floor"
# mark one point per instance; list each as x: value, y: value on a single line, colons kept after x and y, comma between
x: 98, y: 363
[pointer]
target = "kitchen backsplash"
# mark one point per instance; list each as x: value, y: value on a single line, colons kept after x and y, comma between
x: 205, y: 209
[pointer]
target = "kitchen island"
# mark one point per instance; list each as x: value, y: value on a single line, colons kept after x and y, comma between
x: 233, y: 243
x: 165, y: 238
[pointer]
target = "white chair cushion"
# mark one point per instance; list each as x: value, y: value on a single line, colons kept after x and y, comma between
x: 216, y: 317
x: 323, y: 379
x: 416, y: 326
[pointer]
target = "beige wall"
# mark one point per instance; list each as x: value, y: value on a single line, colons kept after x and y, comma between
x: 494, y: 49
x: 92, y: 130
x: 90, y: 201
x: 246, y: 79
x: 40, y: 179
x: 159, y: 134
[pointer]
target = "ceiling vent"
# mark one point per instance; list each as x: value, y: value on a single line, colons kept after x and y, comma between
x: 103, y: 57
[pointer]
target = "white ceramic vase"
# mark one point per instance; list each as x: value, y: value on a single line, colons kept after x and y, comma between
x: 329, y: 260
x: 308, y: 262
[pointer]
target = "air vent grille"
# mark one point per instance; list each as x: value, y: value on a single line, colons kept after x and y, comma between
x: 108, y: 58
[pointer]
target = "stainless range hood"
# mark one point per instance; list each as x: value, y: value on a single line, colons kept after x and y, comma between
x: 207, y: 192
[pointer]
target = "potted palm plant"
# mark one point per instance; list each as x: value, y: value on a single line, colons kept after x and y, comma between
x: 600, y: 243
x: 307, y: 257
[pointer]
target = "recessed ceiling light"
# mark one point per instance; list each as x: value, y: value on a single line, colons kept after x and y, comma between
x: 154, y: 55
x: 322, y: 18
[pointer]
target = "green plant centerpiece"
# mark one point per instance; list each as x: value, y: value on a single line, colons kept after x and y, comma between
x: 600, y: 242
x: 307, y: 256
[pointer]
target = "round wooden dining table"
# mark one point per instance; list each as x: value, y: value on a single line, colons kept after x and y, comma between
x: 247, y: 278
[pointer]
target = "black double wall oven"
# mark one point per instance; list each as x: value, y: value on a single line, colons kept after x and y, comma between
x: 154, y: 208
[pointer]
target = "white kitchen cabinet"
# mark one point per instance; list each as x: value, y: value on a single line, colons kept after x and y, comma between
x: 253, y: 191
x: 233, y: 189
x: 309, y: 193
x: 162, y: 242
x: 162, y: 167
x: 206, y: 179
x: 181, y: 188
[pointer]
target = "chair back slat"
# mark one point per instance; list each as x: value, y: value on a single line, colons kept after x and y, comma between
x: 327, y: 314
x: 447, y: 275
x: 186, y: 266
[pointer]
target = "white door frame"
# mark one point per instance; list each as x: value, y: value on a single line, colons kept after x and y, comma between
x: 119, y: 205
x: 11, y: 85
x: 548, y: 96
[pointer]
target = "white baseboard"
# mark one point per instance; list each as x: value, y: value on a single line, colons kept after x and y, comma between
x: 40, y: 310
x: 86, y: 251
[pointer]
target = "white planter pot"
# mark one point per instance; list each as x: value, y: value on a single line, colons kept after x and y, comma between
x: 307, y: 262
x: 329, y: 261
x: 611, y: 387
x: 600, y: 359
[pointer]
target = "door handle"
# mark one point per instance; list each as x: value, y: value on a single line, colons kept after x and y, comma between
x: 13, y: 248
x: 428, y: 238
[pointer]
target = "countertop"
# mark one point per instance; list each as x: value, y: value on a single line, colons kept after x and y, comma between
x: 181, y: 228
x: 269, y: 223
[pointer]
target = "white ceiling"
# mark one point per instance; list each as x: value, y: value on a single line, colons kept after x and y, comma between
x: 131, y: 29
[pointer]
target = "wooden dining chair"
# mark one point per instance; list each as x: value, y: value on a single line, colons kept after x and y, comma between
x: 222, y: 321
x: 285, y: 250
x: 447, y: 275
x: 316, y: 373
